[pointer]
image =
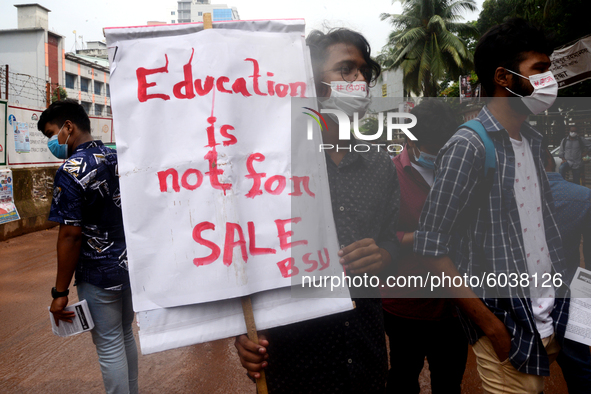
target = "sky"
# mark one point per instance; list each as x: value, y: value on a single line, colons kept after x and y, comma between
x: 88, y: 17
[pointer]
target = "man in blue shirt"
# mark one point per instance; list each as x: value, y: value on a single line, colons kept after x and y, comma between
x: 508, y: 235
x: 87, y: 205
x: 572, y: 205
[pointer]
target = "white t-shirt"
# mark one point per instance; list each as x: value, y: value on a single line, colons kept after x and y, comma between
x: 529, y: 204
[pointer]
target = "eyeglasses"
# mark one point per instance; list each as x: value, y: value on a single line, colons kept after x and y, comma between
x: 349, y: 73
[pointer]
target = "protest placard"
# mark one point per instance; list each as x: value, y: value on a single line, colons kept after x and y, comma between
x: 214, y: 205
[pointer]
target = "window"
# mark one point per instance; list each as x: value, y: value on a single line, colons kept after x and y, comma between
x: 108, y: 90
x: 98, y: 109
x: 172, y: 13
x: 71, y: 81
x: 109, y: 113
x: 200, y: 13
x: 172, y: 21
x: 98, y: 87
x: 84, y: 84
x: 222, y: 14
x: 86, y: 105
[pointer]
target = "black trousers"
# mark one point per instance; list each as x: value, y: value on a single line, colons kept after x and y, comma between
x: 442, y: 342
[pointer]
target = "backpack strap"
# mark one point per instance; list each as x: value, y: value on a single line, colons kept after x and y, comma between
x: 490, y: 162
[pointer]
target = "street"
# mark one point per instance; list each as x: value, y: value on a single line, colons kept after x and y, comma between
x: 33, y: 360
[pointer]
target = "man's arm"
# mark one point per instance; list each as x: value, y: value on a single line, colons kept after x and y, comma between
x: 472, y: 306
x: 561, y: 150
x: 460, y: 163
x: 253, y: 357
x: 69, y: 241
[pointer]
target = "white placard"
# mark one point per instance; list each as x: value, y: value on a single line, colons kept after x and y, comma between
x: 579, y: 315
x: 213, y: 206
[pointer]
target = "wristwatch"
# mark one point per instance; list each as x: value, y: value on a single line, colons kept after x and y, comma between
x: 58, y: 294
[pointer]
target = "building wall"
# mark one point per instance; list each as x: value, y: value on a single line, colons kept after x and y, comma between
x: 91, y: 100
x: 189, y: 11
x: 32, y: 196
x: 388, y: 92
x: 24, y: 52
x: 53, y: 59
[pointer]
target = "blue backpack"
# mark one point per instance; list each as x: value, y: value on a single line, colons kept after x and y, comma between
x: 490, y: 162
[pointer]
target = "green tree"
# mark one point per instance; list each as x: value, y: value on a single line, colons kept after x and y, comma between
x: 62, y: 94
x: 426, y: 43
x: 564, y: 22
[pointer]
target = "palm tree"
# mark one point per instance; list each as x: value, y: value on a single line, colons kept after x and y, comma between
x: 425, y: 43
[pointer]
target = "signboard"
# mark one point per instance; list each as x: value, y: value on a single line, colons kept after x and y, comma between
x: 216, y: 205
x: 3, y: 131
x: 572, y: 64
x: 28, y: 146
x: 8, y: 212
x: 465, y: 87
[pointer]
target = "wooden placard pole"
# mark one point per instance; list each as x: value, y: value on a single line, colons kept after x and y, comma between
x: 207, y: 24
x: 251, y: 327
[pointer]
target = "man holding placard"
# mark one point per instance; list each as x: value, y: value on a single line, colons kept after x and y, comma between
x: 344, y: 352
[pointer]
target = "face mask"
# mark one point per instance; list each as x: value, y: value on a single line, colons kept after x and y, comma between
x: 426, y: 160
x: 58, y: 150
x: 572, y: 134
x: 347, y: 97
x: 544, y: 94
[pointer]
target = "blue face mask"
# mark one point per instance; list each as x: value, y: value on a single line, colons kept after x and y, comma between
x: 58, y: 150
x: 426, y: 160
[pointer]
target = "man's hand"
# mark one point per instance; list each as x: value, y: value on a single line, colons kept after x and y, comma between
x: 563, y: 160
x: 252, y: 356
x: 499, y: 337
x: 364, y: 257
x: 57, y: 308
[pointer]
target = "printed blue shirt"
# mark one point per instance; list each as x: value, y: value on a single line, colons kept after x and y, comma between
x: 573, y: 216
x: 483, y: 236
x: 86, y: 194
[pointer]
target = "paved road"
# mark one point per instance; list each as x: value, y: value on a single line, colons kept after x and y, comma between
x: 33, y: 360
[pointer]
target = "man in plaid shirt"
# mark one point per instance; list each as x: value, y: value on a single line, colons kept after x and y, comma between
x: 508, y: 234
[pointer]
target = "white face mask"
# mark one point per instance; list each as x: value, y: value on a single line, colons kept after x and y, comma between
x: 544, y: 94
x: 572, y: 134
x: 347, y: 97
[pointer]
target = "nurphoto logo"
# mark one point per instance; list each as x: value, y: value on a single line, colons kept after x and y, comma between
x: 345, y: 129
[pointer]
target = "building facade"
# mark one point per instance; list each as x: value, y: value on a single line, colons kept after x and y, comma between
x: 38, y: 65
x: 192, y: 11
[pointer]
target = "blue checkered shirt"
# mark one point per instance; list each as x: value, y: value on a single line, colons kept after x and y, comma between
x: 482, y: 234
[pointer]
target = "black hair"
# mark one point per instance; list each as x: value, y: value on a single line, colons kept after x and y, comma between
x: 60, y: 111
x: 318, y: 42
x: 505, y: 45
x: 436, y: 122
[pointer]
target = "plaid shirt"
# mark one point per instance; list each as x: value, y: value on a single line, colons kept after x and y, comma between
x: 483, y: 235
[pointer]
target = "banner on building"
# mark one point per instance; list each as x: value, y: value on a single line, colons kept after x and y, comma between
x: 27, y: 146
x: 8, y: 212
x: 214, y: 205
x: 3, y: 129
x: 572, y: 64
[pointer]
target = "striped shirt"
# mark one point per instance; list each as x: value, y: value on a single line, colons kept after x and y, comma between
x: 483, y: 235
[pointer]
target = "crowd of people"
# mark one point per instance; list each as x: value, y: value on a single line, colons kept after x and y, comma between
x: 438, y: 207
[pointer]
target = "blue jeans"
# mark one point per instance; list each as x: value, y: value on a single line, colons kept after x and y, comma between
x: 112, y: 335
x: 575, y: 361
x: 565, y: 167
